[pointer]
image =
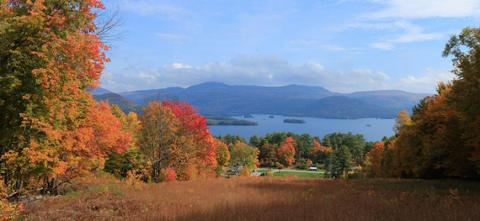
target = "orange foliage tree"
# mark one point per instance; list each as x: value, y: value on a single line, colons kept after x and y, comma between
x: 50, y: 55
x: 373, y: 160
x: 286, y: 152
x: 319, y: 153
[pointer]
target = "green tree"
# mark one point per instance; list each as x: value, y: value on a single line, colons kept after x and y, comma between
x: 244, y: 156
x: 356, y: 144
x: 340, y: 162
x: 223, y: 157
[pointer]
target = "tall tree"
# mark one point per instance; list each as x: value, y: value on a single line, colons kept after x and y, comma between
x: 49, y: 56
x: 340, y: 162
x: 465, y: 49
x: 158, y: 138
x: 373, y: 160
x: 286, y: 152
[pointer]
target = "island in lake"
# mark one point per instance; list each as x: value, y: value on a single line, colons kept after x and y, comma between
x: 294, y: 121
x: 225, y: 121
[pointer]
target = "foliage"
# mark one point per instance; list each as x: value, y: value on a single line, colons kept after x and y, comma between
x: 286, y: 152
x: 231, y: 139
x: 49, y: 57
x: 169, y: 174
x: 222, y: 156
x: 355, y: 144
x: 403, y: 119
x: 244, y: 156
x: 174, y: 136
x: 340, y: 162
x: 319, y: 153
x: 131, y: 162
x: 442, y: 139
x: 373, y: 160
x: 268, y: 155
x: 8, y: 211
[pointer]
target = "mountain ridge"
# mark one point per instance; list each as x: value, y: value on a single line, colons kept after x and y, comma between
x: 219, y: 99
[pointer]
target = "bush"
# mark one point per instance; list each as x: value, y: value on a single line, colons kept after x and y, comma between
x: 244, y: 172
x: 8, y: 211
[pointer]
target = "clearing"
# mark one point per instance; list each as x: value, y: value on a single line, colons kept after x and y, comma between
x: 263, y: 198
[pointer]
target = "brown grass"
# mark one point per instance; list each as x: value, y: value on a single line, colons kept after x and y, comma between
x: 266, y: 198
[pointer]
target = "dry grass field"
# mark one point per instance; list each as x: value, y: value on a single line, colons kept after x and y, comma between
x: 264, y: 198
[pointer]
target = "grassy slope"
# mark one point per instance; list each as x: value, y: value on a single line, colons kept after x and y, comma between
x: 265, y: 198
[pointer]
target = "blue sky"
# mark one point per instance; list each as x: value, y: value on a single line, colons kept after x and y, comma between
x: 343, y: 45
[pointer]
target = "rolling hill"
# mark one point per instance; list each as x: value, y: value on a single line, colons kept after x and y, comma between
x: 218, y: 99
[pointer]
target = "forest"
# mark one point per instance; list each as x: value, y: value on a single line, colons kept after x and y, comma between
x: 55, y: 138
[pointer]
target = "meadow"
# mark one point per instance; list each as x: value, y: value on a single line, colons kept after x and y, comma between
x: 262, y: 198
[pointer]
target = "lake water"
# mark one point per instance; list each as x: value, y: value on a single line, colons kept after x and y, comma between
x: 371, y: 128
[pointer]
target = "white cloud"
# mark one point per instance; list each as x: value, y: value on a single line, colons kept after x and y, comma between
x: 382, y: 45
x: 408, y: 33
x: 271, y: 71
x: 427, y: 81
x: 179, y: 66
x: 257, y: 70
x: 414, y: 9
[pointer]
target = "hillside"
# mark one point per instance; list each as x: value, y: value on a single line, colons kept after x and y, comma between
x: 113, y: 98
x: 218, y: 99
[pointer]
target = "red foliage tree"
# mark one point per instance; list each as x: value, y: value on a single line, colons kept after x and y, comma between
x: 195, y: 125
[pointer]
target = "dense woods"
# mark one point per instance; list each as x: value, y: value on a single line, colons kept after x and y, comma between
x: 442, y: 137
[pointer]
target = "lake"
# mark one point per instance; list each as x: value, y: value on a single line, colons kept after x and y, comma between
x: 371, y: 128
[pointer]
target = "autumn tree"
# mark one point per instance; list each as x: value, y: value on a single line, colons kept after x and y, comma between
x: 373, y: 160
x: 442, y: 139
x: 158, y: 138
x: 49, y: 56
x: 465, y: 49
x: 244, y: 156
x: 175, y: 136
x: 403, y: 119
x: 319, y: 153
x: 222, y: 156
x: 268, y: 155
x: 198, y: 142
x: 286, y: 152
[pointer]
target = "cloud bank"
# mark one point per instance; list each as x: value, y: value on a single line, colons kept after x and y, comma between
x: 268, y: 71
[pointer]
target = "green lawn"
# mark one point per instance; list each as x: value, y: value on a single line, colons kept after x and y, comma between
x: 297, y: 173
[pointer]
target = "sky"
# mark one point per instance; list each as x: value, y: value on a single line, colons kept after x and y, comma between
x: 342, y: 45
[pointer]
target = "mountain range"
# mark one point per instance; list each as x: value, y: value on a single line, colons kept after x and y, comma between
x: 218, y: 99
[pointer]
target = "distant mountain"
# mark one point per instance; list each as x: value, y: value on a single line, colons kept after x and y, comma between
x: 124, y: 104
x: 99, y: 91
x: 218, y: 99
